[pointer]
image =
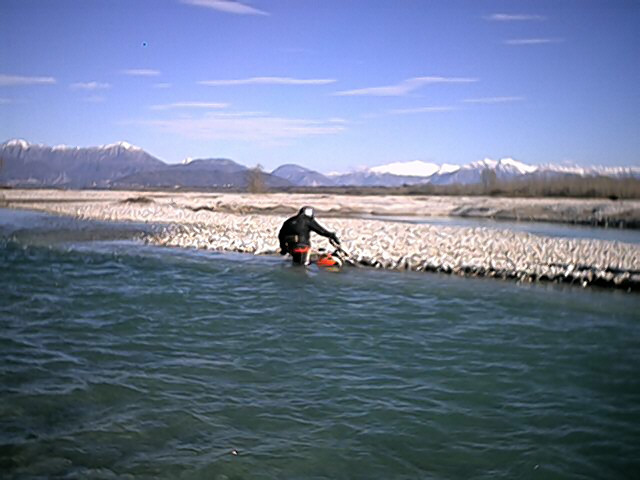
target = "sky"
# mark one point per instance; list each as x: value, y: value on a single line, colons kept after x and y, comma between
x: 332, y: 85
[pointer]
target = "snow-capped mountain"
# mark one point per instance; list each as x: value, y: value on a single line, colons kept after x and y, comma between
x: 448, y: 168
x: 407, y: 169
x: 301, y: 176
x: 615, y: 172
x: 367, y: 178
x: 79, y: 167
x: 115, y: 165
x: 504, y: 169
x: 124, y: 165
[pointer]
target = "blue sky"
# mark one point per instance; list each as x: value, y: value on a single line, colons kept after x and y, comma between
x: 330, y: 85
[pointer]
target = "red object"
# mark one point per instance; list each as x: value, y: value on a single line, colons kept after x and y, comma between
x: 326, y: 261
x: 301, y: 249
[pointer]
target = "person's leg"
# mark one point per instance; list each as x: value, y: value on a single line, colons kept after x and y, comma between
x: 301, y: 254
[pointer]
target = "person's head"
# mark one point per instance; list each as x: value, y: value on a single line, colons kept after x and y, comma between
x: 307, y: 211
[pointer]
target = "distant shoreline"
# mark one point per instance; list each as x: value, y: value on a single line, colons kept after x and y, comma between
x: 572, y: 211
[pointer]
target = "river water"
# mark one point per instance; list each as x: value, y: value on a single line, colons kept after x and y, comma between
x: 123, y: 360
x: 548, y: 229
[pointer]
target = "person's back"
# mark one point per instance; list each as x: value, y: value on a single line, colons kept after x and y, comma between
x: 295, y: 235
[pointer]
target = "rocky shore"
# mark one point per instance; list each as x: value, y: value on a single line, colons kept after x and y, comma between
x: 195, y: 221
x: 462, y: 251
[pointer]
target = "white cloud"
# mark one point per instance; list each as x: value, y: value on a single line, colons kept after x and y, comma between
x: 404, y: 111
x: 90, y: 86
x: 494, y: 100
x: 162, y: 85
x: 141, y: 72
x: 227, y: 6
x: 404, y: 87
x: 16, y: 80
x: 244, y: 126
x: 532, y: 41
x: 202, y: 105
x: 510, y: 17
x: 267, y: 81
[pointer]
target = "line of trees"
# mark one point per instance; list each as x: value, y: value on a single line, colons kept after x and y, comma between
x: 571, y: 186
x: 566, y: 186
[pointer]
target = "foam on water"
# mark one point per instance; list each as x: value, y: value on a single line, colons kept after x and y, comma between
x: 125, y: 360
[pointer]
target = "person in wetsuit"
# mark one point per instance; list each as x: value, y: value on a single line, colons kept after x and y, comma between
x: 295, y: 232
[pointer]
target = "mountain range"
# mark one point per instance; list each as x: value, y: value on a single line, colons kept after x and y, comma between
x: 122, y: 165
x: 118, y: 165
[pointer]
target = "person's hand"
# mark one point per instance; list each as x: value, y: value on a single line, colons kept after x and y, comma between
x: 283, y: 251
x: 334, y: 237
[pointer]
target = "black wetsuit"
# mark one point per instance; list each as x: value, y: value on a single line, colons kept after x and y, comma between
x: 294, y: 236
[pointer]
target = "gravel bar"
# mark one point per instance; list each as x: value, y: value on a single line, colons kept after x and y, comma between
x: 194, y: 222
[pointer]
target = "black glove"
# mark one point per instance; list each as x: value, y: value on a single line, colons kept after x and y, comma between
x: 334, y: 237
x: 283, y: 251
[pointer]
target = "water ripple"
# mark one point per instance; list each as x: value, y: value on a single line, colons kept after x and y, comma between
x: 127, y: 361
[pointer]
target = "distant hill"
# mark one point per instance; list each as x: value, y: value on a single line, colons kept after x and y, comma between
x: 302, y: 177
x: 202, y: 173
x: 367, y: 178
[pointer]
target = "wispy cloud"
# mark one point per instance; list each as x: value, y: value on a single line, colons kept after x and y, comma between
x: 532, y: 41
x: 245, y: 126
x: 267, y: 81
x: 90, y: 86
x: 226, y: 6
x: 6, y: 101
x: 196, y: 105
x: 403, y: 88
x: 162, y: 85
x: 406, y: 111
x: 95, y: 99
x: 489, y: 100
x: 141, y: 72
x: 511, y: 17
x: 17, y: 80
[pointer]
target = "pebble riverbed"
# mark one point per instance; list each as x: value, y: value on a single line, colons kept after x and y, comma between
x: 390, y: 245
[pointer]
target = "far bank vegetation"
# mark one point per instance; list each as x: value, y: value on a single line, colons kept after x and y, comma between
x: 571, y: 186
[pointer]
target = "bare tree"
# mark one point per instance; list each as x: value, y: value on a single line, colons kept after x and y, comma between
x: 489, y: 179
x: 255, y: 180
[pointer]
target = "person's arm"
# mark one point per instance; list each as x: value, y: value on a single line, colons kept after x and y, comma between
x: 320, y: 230
x: 283, y: 245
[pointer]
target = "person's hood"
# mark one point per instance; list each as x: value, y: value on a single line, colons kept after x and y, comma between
x: 307, y: 211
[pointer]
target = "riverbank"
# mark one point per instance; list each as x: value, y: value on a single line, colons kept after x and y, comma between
x: 250, y: 223
x: 597, y: 212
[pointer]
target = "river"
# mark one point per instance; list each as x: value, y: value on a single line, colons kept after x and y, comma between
x: 124, y: 360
